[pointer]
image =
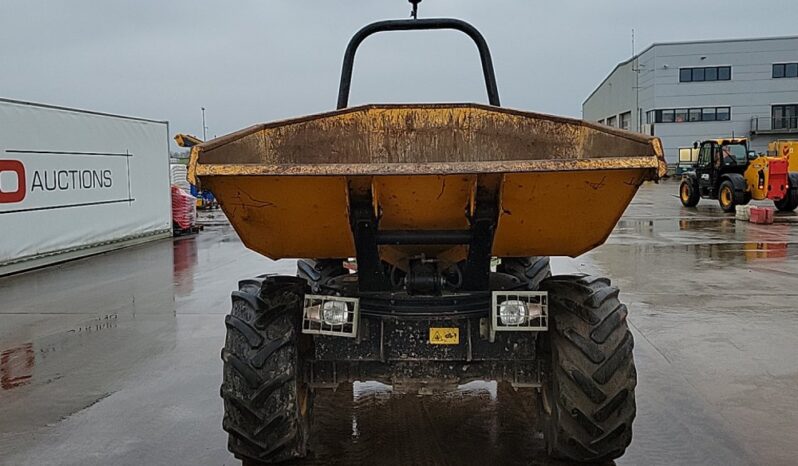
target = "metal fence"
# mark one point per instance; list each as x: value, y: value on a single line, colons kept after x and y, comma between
x: 780, y: 125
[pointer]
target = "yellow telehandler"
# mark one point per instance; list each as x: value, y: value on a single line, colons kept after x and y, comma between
x: 728, y: 171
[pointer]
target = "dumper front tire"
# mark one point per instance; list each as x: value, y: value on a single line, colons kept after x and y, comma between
x: 529, y: 270
x: 267, y: 405
x: 318, y: 273
x: 589, y: 379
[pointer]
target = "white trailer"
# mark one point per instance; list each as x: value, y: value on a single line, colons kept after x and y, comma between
x: 75, y: 183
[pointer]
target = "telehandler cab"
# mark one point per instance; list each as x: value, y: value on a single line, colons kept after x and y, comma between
x: 728, y: 171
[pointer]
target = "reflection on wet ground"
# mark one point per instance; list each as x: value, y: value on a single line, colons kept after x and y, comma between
x: 78, y: 334
x: 114, y: 359
x: 479, y: 423
x: 713, y: 307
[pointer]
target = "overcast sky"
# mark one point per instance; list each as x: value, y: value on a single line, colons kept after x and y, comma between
x: 251, y: 61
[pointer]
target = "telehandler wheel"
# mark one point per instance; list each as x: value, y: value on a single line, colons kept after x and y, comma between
x: 790, y: 201
x: 267, y: 405
x: 688, y: 193
x: 530, y: 270
x: 318, y: 273
x: 588, y: 402
x: 728, y: 198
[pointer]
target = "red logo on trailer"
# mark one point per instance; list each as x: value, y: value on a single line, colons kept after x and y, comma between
x: 16, y: 366
x: 16, y: 167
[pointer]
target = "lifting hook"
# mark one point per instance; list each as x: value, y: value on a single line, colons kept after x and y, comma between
x: 415, y: 3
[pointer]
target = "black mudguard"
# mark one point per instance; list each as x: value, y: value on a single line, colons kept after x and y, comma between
x: 737, y: 180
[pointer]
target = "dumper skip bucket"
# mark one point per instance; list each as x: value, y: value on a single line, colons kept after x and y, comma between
x: 431, y: 179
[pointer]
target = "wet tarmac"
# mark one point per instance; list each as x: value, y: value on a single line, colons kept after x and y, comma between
x: 114, y: 359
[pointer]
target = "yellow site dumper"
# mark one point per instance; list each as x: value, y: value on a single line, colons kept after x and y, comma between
x: 427, y: 199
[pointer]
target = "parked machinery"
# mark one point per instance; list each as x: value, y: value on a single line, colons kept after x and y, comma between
x: 426, y: 196
x: 785, y: 148
x: 204, y: 199
x: 728, y: 171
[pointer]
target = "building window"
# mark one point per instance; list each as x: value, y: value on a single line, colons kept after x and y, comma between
x: 785, y: 70
x: 611, y: 121
x: 698, y: 74
x: 601, y: 122
x: 626, y: 120
x: 785, y: 116
x: 705, y: 73
x: 682, y: 115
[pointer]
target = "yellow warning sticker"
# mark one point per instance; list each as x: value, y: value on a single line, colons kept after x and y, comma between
x: 444, y: 335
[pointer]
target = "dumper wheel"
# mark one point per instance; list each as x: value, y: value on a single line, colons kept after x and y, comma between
x: 267, y: 405
x: 688, y: 194
x: 588, y: 402
x: 790, y: 201
x: 318, y: 273
x: 530, y: 270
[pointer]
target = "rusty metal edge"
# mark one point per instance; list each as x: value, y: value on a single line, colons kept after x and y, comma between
x: 192, y: 166
x: 662, y: 165
x: 436, y: 168
x: 226, y: 139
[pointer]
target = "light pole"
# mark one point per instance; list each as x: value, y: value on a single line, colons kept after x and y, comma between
x: 204, y: 128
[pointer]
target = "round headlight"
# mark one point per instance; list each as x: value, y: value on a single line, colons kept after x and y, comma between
x: 513, y: 312
x: 334, y: 313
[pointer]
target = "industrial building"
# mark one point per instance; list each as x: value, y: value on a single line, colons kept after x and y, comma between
x: 688, y: 91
